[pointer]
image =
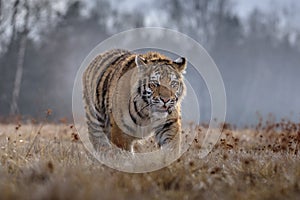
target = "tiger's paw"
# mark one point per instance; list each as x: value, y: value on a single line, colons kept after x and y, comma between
x: 137, y: 146
x: 143, y: 146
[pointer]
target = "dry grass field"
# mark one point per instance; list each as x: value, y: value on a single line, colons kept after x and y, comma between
x: 48, y: 161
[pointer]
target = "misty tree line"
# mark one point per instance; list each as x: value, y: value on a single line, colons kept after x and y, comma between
x: 43, y: 42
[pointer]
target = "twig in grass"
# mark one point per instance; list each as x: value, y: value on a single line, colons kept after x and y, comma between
x: 48, y: 113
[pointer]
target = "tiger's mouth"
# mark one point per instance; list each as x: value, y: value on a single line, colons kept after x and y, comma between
x: 163, y: 109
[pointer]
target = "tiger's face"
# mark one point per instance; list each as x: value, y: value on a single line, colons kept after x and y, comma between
x: 162, y: 86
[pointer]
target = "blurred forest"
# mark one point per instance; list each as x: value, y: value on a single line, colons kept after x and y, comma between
x: 43, y: 42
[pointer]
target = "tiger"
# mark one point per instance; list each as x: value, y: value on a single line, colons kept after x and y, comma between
x: 129, y: 96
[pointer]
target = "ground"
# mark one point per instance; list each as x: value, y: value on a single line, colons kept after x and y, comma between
x: 48, y: 161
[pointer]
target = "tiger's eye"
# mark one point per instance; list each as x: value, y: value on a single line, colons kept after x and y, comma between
x: 154, y: 84
x: 151, y: 85
x: 174, y: 84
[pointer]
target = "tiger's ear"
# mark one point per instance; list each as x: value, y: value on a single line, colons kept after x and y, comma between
x: 180, y: 64
x: 140, y: 63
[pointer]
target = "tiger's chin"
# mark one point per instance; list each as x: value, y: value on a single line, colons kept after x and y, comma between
x: 160, y: 115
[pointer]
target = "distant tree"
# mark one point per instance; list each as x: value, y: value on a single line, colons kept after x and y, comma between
x: 20, y: 58
x: 199, y: 19
x: 20, y: 21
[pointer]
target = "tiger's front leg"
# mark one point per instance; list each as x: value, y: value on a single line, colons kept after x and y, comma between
x: 169, y: 134
x: 119, y: 138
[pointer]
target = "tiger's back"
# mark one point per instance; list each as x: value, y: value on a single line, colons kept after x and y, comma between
x: 97, y: 80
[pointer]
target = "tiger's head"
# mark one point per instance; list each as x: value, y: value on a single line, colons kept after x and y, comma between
x: 161, y: 83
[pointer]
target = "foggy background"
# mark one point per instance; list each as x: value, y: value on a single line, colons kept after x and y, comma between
x: 255, y: 44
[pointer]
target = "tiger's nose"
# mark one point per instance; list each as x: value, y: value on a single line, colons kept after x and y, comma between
x: 165, y: 99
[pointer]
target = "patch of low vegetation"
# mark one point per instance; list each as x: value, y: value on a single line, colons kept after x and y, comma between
x: 48, y: 161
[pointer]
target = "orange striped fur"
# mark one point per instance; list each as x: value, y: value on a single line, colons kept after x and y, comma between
x: 124, y: 91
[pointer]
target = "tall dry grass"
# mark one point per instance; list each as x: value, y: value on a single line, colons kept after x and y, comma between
x: 48, y: 161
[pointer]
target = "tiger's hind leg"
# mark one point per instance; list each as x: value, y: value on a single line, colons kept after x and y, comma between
x: 98, y: 139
